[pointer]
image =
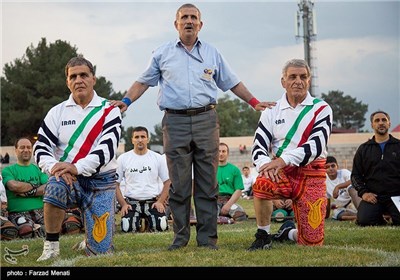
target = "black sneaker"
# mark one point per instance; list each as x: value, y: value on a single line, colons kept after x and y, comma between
x: 263, y: 241
x: 283, y: 232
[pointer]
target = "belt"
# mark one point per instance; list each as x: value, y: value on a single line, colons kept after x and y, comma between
x: 132, y: 200
x: 192, y: 111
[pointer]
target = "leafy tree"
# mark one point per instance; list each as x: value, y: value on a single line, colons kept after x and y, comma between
x: 157, y: 137
x: 128, y: 139
x: 347, y: 112
x: 35, y: 83
x: 236, y: 117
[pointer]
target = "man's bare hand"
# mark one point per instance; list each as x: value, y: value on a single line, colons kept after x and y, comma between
x: 65, y: 170
x: 118, y: 103
x: 370, y: 197
x: 271, y: 169
x: 159, y: 206
x: 125, y: 208
x: 61, y: 168
x: 264, y: 105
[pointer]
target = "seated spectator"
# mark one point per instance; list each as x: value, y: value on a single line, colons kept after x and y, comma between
x: 230, y: 187
x: 25, y: 183
x: 282, y: 209
x: 144, y: 206
x: 340, y: 192
x: 376, y: 174
x: 248, y: 181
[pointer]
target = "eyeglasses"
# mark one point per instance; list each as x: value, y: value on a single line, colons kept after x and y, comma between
x: 332, y: 165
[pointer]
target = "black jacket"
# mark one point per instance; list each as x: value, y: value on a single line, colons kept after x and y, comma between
x: 377, y: 172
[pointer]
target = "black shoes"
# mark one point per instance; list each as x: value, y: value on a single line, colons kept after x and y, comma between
x: 283, y: 232
x: 263, y: 241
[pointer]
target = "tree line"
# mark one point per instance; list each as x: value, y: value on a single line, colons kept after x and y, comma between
x: 34, y: 83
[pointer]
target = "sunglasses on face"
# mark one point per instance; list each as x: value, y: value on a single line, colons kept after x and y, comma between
x: 332, y: 165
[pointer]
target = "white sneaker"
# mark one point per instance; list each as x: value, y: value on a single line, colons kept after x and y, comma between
x: 50, y: 250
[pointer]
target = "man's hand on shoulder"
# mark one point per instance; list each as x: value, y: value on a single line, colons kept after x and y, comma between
x: 264, y: 105
x: 118, y: 103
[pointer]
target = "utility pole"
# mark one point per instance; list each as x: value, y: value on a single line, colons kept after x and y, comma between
x: 306, y: 18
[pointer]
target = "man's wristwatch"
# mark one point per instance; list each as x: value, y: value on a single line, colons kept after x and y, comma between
x: 34, y: 186
x: 32, y: 192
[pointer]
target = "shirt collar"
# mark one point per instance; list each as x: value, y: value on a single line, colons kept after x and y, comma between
x: 179, y: 43
x: 96, y: 101
x: 307, y: 101
x: 195, y: 53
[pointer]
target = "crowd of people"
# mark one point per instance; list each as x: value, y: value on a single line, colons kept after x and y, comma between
x: 77, y: 178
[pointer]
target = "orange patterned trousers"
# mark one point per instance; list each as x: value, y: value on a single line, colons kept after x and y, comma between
x: 306, y: 186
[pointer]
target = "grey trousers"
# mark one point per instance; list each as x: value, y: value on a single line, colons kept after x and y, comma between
x: 192, y: 142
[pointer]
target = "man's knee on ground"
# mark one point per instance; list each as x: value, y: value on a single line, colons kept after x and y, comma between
x: 378, y: 221
x: 130, y: 222
x: 162, y: 223
x: 25, y: 227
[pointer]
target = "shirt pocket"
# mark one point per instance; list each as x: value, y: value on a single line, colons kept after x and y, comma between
x: 206, y: 73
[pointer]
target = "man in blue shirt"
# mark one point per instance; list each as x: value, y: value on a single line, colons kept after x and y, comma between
x: 189, y: 72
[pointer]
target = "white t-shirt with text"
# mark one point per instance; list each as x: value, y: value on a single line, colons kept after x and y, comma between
x: 141, y: 174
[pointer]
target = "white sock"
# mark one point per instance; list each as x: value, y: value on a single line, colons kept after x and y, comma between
x: 266, y: 228
x: 291, y: 234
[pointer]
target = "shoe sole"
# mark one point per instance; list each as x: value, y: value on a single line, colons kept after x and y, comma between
x: 49, y: 258
x: 265, y: 247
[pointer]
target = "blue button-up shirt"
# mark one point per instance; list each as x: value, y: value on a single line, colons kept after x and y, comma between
x: 188, y: 79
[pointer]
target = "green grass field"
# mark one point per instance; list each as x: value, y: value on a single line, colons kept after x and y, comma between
x: 346, y: 244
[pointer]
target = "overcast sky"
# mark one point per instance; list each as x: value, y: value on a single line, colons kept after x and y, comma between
x: 357, y: 44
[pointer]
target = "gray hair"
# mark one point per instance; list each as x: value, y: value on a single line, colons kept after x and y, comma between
x: 187, y: 5
x: 301, y: 63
